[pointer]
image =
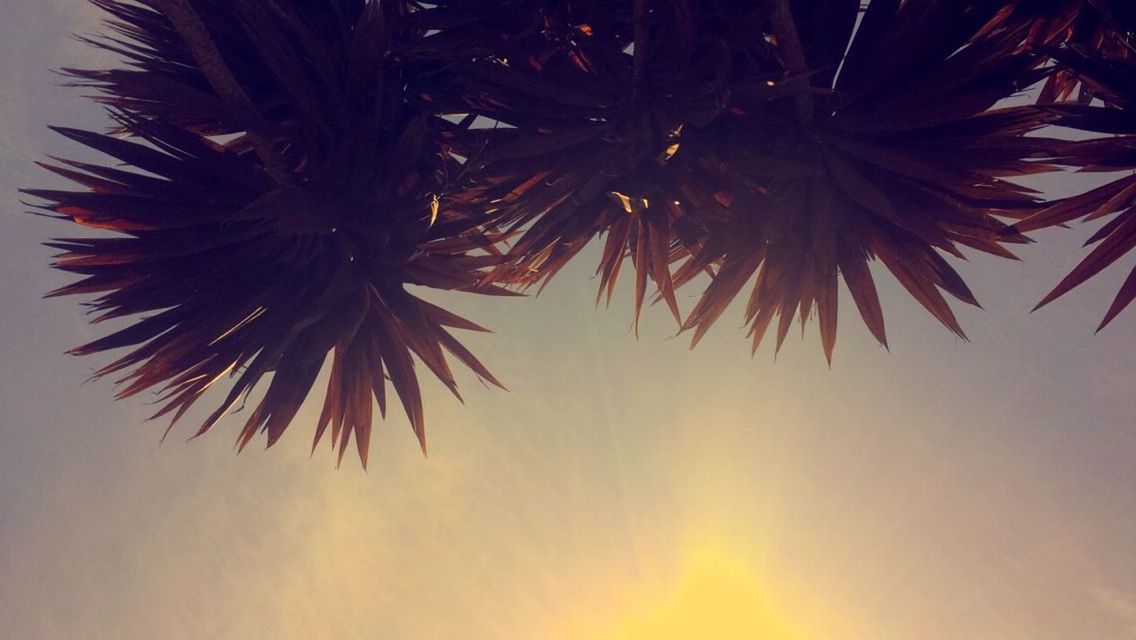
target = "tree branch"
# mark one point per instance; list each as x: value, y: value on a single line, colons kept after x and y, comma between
x: 640, y: 24
x: 789, y: 43
x: 209, y: 60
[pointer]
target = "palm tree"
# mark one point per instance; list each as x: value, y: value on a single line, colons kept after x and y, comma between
x: 296, y: 163
x: 294, y: 239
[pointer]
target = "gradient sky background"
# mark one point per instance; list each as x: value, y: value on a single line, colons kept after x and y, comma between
x: 944, y: 491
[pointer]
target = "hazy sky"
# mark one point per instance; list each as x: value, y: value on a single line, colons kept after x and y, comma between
x: 943, y: 491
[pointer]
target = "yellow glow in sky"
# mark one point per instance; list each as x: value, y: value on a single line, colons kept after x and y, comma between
x: 716, y: 596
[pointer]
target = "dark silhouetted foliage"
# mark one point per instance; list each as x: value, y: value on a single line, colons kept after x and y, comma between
x: 283, y: 169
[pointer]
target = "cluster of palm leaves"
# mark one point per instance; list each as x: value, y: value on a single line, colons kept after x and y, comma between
x: 284, y: 169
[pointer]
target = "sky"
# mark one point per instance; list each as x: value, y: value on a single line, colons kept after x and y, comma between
x: 623, y: 488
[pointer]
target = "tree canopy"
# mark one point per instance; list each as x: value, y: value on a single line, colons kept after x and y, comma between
x: 281, y: 170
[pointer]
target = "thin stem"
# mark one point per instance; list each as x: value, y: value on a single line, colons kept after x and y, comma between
x: 640, y: 24
x: 789, y: 43
x: 209, y: 60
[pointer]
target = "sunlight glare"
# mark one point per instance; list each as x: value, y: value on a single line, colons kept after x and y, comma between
x: 715, y: 597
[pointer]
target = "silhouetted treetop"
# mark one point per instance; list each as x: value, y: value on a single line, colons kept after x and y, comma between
x: 278, y: 171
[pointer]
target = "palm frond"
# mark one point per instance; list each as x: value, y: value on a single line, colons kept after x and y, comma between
x: 238, y: 274
x: 1112, y: 80
x: 289, y: 167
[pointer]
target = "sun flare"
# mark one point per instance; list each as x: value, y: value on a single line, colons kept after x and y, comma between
x: 716, y: 596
